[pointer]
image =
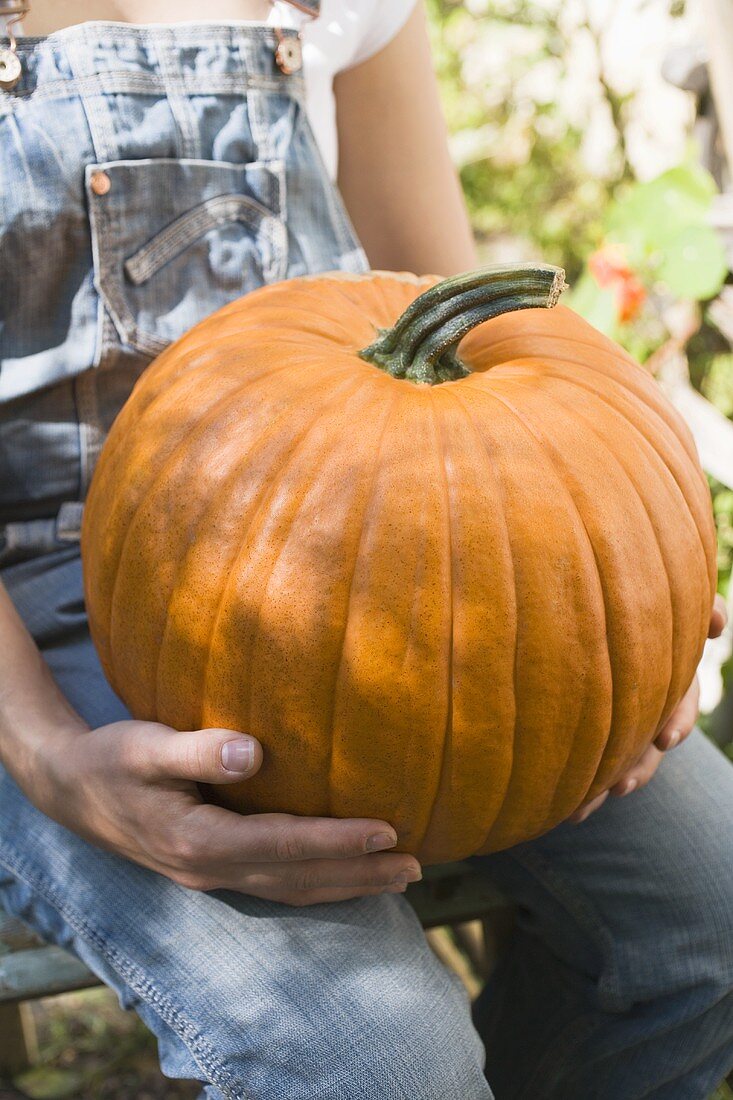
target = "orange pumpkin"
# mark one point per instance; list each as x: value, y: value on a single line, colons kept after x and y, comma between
x: 456, y: 586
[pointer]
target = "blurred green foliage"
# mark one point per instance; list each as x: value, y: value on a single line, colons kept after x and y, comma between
x: 658, y: 248
x: 519, y: 153
x: 509, y: 92
x: 88, y: 1049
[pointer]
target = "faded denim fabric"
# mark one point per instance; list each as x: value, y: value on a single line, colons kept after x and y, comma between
x: 148, y: 176
x: 618, y: 983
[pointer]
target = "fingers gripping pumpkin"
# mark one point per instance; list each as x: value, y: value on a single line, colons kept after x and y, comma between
x: 457, y: 586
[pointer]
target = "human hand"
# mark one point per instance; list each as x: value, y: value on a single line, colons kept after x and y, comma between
x: 131, y: 787
x: 678, y: 726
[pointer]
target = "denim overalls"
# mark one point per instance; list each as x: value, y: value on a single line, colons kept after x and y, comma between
x: 148, y: 175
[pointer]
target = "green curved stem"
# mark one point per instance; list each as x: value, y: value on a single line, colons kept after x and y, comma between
x: 421, y: 344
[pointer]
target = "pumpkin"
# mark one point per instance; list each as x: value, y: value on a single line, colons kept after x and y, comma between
x: 444, y: 548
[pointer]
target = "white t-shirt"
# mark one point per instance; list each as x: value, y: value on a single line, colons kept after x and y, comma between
x: 345, y: 33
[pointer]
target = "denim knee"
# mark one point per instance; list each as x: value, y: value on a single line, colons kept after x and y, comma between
x: 688, y: 943
x: 445, y: 1060
x: 400, y: 1044
x: 393, y: 1025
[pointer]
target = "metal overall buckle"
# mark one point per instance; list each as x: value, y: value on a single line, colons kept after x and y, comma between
x: 11, y: 70
x: 289, y: 50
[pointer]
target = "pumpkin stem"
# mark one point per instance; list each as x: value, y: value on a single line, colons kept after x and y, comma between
x: 421, y: 344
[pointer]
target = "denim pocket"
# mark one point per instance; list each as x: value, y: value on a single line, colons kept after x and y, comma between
x: 174, y: 240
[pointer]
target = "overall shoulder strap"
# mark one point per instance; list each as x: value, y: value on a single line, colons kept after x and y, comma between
x: 309, y: 7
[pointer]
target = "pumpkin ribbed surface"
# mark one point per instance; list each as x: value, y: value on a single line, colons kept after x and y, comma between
x: 463, y: 608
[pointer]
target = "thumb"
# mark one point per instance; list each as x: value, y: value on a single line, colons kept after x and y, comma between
x: 205, y: 756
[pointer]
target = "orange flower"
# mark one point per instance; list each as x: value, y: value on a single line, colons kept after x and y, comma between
x: 609, y: 267
x: 630, y: 296
x: 608, y: 264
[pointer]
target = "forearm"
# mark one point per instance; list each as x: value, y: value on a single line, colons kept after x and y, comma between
x: 32, y: 709
x: 395, y: 172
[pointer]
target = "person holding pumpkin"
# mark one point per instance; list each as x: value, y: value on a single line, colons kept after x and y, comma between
x: 219, y: 929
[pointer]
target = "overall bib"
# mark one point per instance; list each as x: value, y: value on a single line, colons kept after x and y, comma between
x: 149, y: 175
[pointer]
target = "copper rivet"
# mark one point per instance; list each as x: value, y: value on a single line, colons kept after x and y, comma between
x: 100, y: 183
x: 289, y: 55
x: 10, y: 69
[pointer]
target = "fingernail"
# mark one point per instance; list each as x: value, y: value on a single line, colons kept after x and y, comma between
x: 590, y: 808
x: 379, y: 842
x: 629, y: 787
x: 400, y: 889
x: 404, y: 877
x: 673, y: 739
x: 238, y: 756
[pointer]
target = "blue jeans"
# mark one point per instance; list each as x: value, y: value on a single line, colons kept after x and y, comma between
x: 617, y: 983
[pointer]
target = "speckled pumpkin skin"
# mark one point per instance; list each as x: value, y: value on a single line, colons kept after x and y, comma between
x: 462, y: 608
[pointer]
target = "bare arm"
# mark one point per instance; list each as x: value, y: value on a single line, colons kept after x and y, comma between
x: 32, y: 708
x: 395, y: 172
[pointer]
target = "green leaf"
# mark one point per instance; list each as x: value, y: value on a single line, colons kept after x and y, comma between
x: 693, y: 264
x: 652, y: 214
x: 597, y: 304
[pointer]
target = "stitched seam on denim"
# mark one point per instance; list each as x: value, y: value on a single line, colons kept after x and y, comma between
x: 95, y: 107
x: 178, y: 102
x: 84, y: 386
x: 259, y: 119
x: 125, y: 32
x: 103, y: 227
x: 131, y: 973
x: 132, y: 334
x: 580, y: 908
x: 120, y: 83
x: 244, y: 50
x: 187, y: 228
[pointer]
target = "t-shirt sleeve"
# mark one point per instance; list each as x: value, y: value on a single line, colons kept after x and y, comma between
x: 383, y: 21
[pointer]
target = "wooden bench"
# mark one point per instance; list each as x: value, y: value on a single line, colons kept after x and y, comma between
x: 450, y: 894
